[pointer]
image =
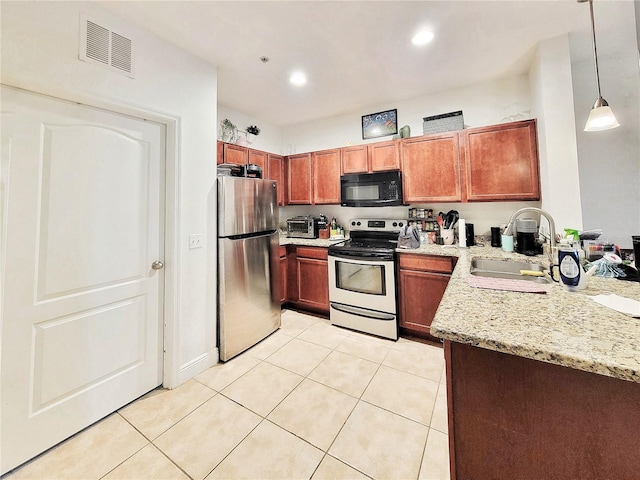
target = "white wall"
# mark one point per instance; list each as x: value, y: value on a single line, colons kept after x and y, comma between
x: 610, y: 160
x: 482, y: 104
x: 40, y: 53
x: 552, y: 104
x: 270, y: 138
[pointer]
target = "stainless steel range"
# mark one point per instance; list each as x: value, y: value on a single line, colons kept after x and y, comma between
x: 362, y: 278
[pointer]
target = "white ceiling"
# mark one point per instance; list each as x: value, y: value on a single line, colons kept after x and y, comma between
x: 356, y: 54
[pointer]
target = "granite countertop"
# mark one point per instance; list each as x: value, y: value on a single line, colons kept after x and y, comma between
x: 311, y: 242
x: 560, y: 327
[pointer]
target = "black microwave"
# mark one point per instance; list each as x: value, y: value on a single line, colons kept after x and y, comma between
x: 378, y: 189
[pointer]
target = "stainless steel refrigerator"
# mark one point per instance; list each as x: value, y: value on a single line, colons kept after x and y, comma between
x: 248, y: 263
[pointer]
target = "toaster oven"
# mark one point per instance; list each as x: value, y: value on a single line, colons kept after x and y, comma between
x: 302, y: 226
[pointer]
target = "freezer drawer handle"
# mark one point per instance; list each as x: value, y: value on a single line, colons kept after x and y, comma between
x: 362, y: 312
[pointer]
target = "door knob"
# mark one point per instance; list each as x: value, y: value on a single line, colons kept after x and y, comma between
x: 157, y: 265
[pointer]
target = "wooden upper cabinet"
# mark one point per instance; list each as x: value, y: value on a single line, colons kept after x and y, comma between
x: 431, y: 168
x: 501, y: 162
x: 374, y: 157
x: 235, y: 154
x: 384, y: 156
x: 354, y: 159
x: 326, y: 177
x: 299, y: 179
x: 220, y: 154
x: 259, y: 158
x: 276, y: 172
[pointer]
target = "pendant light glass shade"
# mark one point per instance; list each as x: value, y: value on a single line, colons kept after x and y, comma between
x: 601, y: 117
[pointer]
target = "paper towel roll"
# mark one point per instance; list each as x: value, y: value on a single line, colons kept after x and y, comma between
x: 462, y: 233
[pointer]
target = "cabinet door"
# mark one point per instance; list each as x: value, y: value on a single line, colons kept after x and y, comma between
x: 326, y: 177
x: 384, y: 156
x: 501, y: 162
x: 354, y: 159
x: 283, y: 275
x: 299, y: 179
x: 235, y: 154
x: 259, y: 158
x: 312, y: 280
x: 276, y: 172
x: 431, y: 169
x: 420, y: 294
x: 220, y: 153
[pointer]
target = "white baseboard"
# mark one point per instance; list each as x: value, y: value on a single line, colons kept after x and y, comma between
x: 197, y: 365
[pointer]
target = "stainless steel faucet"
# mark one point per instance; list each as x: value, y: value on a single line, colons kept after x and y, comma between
x: 552, y: 227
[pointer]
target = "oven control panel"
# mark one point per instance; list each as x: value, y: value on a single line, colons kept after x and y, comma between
x: 377, y: 224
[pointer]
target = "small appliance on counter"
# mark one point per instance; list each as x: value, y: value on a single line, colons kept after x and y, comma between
x: 470, y: 234
x: 526, y: 241
x: 305, y: 226
x: 232, y: 170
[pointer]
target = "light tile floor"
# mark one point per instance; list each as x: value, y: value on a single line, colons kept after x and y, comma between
x: 312, y: 401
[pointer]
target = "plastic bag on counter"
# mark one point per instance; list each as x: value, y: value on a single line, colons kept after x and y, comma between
x: 611, y: 266
x: 409, y: 237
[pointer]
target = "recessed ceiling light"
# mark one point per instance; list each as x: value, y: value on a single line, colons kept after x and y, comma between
x: 298, y: 78
x: 422, y: 37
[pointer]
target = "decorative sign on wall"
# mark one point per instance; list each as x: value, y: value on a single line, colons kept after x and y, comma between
x: 380, y: 124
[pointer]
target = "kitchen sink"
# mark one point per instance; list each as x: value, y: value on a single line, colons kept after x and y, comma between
x: 485, y: 267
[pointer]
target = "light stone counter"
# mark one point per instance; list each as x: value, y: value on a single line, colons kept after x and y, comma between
x: 560, y: 327
x: 310, y: 242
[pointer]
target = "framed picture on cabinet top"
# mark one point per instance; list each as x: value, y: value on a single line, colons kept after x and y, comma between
x: 380, y: 124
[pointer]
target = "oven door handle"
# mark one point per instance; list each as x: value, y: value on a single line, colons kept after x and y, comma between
x: 361, y: 312
x: 364, y: 256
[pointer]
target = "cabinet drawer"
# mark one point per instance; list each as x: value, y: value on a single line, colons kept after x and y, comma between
x: 282, y: 251
x: 312, y: 252
x: 430, y: 263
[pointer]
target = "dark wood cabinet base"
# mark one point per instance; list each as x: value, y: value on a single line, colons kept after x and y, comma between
x: 511, y: 417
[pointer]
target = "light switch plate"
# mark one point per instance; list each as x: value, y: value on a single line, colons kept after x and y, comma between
x: 195, y: 240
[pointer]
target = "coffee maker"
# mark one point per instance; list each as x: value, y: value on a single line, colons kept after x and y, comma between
x: 526, y: 237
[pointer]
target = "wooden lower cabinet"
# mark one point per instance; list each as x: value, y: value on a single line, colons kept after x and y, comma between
x: 283, y: 274
x: 512, y: 417
x: 422, y: 280
x: 308, y: 278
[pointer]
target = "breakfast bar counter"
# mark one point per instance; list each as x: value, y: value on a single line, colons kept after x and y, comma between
x: 539, y: 385
x: 560, y: 327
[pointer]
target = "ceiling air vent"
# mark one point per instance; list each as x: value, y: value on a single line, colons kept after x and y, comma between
x: 101, y: 45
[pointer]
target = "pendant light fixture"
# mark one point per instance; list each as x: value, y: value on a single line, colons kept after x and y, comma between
x: 601, y: 116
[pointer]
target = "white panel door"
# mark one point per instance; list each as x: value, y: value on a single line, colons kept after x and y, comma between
x: 82, y: 222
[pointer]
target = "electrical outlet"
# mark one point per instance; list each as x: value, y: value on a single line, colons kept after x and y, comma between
x: 195, y: 240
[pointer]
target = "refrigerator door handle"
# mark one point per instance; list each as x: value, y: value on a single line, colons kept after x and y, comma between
x: 251, y: 235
